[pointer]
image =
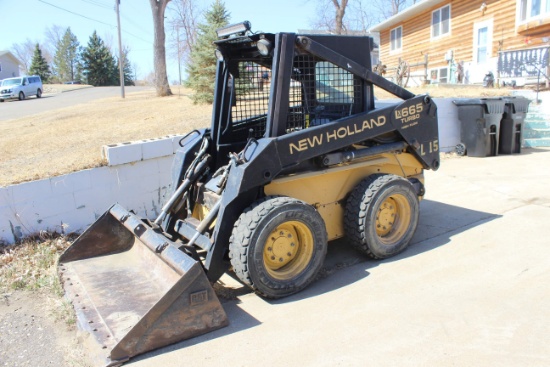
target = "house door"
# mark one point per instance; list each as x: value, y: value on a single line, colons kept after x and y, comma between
x: 483, y: 49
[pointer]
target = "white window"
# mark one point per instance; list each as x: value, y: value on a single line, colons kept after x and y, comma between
x: 441, y: 21
x: 533, y: 9
x: 395, y: 38
x: 439, y: 75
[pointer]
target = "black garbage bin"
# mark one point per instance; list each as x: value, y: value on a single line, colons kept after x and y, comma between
x: 511, y: 125
x: 480, y: 125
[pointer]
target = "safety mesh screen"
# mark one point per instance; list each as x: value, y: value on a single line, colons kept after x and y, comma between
x: 320, y: 92
x: 252, y: 89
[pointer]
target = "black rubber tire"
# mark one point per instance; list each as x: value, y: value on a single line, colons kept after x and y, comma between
x: 365, y: 204
x: 21, y: 96
x: 251, y: 235
x: 38, y: 93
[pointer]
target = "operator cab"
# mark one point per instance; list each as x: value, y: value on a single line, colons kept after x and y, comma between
x: 268, y: 86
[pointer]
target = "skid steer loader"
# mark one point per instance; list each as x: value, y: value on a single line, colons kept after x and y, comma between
x: 298, y: 154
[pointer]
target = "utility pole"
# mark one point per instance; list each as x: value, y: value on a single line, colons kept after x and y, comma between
x: 179, y: 60
x: 120, y: 53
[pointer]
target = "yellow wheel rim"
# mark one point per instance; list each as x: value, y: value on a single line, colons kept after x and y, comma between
x: 392, y: 219
x: 288, y: 250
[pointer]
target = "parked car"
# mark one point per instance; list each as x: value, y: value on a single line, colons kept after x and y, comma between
x: 21, y: 87
x: 73, y: 82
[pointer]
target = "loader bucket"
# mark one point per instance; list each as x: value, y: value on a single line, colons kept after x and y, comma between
x: 133, y: 290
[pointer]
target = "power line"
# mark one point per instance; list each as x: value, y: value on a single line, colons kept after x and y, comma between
x: 80, y: 15
x: 99, y: 4
x: 95, y: 20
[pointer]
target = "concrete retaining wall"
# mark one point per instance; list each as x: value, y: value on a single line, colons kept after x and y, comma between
x: 138, y: 176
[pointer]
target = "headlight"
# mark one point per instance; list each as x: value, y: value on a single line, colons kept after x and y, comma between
x: 264, y: 47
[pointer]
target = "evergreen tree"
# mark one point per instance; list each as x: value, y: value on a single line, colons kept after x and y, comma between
x: 127, y: 69
x: 201, y: 68
x: 39, y: 65
x: 66, y: 60
x: 99, y: 66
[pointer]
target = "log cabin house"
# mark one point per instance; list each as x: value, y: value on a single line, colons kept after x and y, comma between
x: 460, y: 41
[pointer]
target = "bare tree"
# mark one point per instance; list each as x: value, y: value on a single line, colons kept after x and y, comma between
x: 389, y: 8
x: 53, y: 34
x: 340, y: 8
x: 360, y: 15
x: 331, y: 20
x: 24, y: 53
x: 184, y: 23
x: 158, y: 7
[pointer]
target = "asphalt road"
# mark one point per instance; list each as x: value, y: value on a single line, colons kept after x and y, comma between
x: 14, y: 109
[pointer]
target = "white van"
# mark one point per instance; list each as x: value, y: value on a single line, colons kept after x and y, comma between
x: 21, y: 87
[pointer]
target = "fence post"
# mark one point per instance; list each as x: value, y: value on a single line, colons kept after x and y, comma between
x: 425, y: 69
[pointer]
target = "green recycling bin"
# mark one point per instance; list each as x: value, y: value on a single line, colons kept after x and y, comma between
x: 480, y: 125
x: 511, y: 125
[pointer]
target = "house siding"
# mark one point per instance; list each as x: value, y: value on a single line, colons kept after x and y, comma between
x: 10, y: 68
x: 417, y: 41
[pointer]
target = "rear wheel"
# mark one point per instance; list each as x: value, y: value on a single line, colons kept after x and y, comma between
x: 21, y: 96
x: 38, y: 93
x: 382, y: 215
x: 278, y: 245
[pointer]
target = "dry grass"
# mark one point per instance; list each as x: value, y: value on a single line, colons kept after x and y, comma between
x: 31, y: 265
x: 70, y: 139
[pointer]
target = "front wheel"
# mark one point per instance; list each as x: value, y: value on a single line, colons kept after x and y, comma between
x: 21, y: 96
x: 38, y: 93
x: 278, y: 246
x: 382, y: 215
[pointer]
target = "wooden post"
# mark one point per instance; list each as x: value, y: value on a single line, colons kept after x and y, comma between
x: 425, y: 69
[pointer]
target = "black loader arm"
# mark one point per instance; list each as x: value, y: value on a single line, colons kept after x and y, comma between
x: 415, y: 120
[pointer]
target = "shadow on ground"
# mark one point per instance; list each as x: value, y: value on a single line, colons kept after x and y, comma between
x: 438, y: 222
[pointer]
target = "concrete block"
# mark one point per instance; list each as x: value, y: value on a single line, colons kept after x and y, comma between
x: 176, y: 142
x: 96, y: 200
x: 10, y: 229
x: 51, y: 205
x: 6, y: 196
x: 155, y: 148
x: 121, y: 153
x: 165, y: 167
x: 71, y: 182
x: 30, y: 190
x: 74, y: 221
x: 136, y: 170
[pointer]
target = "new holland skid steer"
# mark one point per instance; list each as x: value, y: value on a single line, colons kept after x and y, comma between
x: 299, y: 153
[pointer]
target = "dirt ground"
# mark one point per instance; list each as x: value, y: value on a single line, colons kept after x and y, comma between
x: 31, y: 333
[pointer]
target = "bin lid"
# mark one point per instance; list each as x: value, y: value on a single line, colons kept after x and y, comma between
x: 491, y: 105
x: 519, y: 103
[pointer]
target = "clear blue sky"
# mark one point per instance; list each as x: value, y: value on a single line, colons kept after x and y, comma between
x: 28, y: 19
